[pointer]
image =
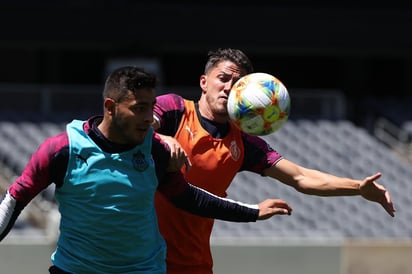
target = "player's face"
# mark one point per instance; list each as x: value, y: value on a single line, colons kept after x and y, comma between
x: 132, y: 117
x: 216, y: 86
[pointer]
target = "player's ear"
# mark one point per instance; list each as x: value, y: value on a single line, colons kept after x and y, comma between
x: 203, y: 83
x: 109, y: 105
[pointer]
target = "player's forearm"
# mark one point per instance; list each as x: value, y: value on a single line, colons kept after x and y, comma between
x: 322, y: 184
x: 311, y: 181
x: 10, y: 209
x: 205, y: 204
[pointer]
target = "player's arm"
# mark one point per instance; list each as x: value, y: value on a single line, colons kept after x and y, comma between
x: 200, y: 202
x: 262, y: 159
x: 315, y: 182
x: 268, y: 162
x: 10, y: 209
x: 34, y: 178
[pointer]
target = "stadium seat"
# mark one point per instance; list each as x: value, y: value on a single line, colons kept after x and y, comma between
x: 341, y: 148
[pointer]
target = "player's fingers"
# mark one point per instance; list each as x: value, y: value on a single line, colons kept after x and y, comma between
x: 373, y: 177
x: 388, y: 206
x: 282, y: 211
x: 390, y: 209
x: 188, y: 164
x: 282, y: 204
x: 269, y: 212
x: 282, y: 208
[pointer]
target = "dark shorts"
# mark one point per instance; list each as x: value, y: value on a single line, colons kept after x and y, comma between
x: 55, y: 270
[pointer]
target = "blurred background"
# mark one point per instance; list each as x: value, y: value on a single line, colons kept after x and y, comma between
x: 348, y: 69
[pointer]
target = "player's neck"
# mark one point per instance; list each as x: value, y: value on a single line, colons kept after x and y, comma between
x: 207, y: 113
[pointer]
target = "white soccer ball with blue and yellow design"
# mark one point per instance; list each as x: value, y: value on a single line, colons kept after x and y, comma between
x: 259, y: 104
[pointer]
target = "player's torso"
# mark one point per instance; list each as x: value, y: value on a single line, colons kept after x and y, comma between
x: 215, y: 162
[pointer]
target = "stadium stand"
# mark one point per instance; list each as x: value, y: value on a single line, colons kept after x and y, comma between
x: 341, y: 148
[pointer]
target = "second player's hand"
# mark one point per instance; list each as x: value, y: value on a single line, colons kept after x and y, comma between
x: 375, y: 192
x: 271, y: 207
x: 178, y: 156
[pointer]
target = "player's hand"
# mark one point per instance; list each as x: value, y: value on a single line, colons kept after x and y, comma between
x: 271, y: 207
x: 375, y: 192
x: 178, y: 156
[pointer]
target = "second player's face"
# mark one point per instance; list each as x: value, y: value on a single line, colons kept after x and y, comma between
x: 217, y: 85
x: 133, y: 117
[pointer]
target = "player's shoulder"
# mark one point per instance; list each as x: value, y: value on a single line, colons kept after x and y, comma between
x: 51, y: 147
x: 170, y: 101
x: 254, y: 141
x: 56, y: 142
x: 251, y: 138
x: 170, y: 97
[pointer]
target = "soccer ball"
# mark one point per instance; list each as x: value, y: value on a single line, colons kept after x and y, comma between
x: 258, y: 104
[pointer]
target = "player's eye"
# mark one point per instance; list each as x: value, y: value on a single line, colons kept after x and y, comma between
x: 225, y: 78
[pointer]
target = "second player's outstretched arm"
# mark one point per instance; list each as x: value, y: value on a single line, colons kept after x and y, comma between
x: 315, y: 182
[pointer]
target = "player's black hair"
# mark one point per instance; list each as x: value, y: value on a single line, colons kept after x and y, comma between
x: 125, y: 79
x: 228, y: 54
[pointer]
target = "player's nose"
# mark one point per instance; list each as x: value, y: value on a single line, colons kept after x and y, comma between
x: 228, y: 86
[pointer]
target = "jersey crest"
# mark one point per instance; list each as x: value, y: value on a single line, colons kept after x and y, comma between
x: 234, y: 151
x: 139, y: 161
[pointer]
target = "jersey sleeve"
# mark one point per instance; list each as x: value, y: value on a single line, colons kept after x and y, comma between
x: 259, y: 155
x: 168, y: 112
x: 34, y: 178
x: 203, y: 203
x: 36, y: 175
